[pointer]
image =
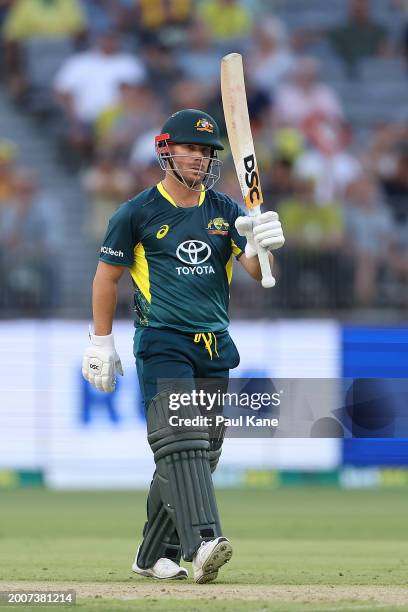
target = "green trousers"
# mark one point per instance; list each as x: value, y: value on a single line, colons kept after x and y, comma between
x: 172, y: 355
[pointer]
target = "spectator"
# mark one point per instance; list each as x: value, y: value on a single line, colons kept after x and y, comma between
x: 395, y: 185
x: 279, y: 183
x: 276, y: 163
x: 370, y: 231
x: 381, y: 154
x: 4, y: 9
x: 118, y: 126
x: 125, y: 15
x: 305, y: 96
x: 401, y: 18
x: 189, y: 94
x: 36, y: 20
x: 106, y: 185
x: 360, y: 36
x: 313, y: 265
x: 394, y: 181
x: 259, y: 104
x: 100, y: 15
x: 229, y: 184
x: 271, y: 61
x: 8, y: 153
x: 162, y: 69
x: 309, y: 226
x: 149, y: 174
x: 199, y: 61
x: 228, y: 21
x: 327, y: 161
x: 165, y: 18
x: 143, y: 153
x: 29, y: 238
x: 288, y: 144
x: 88, y: 83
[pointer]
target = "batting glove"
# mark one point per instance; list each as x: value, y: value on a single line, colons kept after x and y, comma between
x: 101, y: 362
x: 265, y: 230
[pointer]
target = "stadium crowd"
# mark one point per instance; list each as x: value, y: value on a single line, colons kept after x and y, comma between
x: 102, y: 76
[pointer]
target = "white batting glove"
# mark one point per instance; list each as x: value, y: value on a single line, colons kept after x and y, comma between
x: 265, y: 229
x: 101, y: 362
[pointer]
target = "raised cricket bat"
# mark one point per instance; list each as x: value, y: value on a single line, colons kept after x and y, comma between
x: 236, y: 115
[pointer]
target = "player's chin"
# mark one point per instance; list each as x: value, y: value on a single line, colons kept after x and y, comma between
x: 194, y: 177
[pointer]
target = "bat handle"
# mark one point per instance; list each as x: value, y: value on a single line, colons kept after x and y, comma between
x: 268, y: 280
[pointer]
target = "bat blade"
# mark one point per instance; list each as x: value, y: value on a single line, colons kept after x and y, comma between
x: 236, y: 115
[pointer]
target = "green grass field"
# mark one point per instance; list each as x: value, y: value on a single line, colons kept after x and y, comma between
x: 294, y: 549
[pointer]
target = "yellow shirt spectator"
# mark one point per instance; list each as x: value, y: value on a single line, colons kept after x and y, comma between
x: 310, y: 226
x: 43, y: 19
x: 155, y: 14
x: 226, y: 19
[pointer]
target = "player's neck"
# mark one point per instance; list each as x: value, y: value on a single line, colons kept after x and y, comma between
x: 183, y: 196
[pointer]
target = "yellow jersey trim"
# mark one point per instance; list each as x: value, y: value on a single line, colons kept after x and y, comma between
x: 202, y: 196
x: 235, y: 248
x: 140, y: 271
x: 165, y: 195
x: 168, y: 197
x: 228, y: 269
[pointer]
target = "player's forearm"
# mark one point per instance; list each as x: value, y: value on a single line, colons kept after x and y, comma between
x: 104, y: 297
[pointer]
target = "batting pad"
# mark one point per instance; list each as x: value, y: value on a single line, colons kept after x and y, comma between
x: 214, y: 457
x: 184, y: 475
x: 160, y: 538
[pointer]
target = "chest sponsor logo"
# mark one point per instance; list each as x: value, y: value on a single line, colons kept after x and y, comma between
x: 194, y: 253
x: 109, y: 251
x: 162, y: 231
x: 218, y: 226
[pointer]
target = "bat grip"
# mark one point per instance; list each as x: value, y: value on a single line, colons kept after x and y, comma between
x: 268, y: 280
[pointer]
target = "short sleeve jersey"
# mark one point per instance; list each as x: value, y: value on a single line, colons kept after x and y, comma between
x: 180, y: 259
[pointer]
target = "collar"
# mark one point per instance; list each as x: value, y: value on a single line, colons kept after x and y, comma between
x: 168, y: 197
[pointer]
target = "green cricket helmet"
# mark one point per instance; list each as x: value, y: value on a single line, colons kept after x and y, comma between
x: 190, y: 126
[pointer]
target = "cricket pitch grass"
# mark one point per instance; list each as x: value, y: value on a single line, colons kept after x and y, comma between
x: 294, y: 549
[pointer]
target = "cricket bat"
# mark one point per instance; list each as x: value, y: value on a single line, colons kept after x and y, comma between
x: 236, y: 115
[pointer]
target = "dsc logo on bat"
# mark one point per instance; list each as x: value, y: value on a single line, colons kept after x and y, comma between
x: 252, y: 181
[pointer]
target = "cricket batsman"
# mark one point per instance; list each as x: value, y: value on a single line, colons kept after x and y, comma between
x: 177, y: 239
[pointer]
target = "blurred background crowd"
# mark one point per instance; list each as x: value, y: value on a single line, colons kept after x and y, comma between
x: 86, y: 84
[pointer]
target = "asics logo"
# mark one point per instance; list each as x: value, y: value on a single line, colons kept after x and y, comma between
x: 193, y: 252
x: 162, y: 231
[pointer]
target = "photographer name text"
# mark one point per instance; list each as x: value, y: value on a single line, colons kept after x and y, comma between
x: 240, y: 421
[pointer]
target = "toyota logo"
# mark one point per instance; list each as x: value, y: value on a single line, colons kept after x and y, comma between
x: 193, y: 252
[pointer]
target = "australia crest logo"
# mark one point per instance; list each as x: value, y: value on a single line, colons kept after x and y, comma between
x: 218, y: 226
x: 203, y: 125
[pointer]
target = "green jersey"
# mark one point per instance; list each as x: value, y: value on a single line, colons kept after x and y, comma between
x: 180, y: 259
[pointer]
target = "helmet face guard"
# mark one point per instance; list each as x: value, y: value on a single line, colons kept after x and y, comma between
x: 207, y: 174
